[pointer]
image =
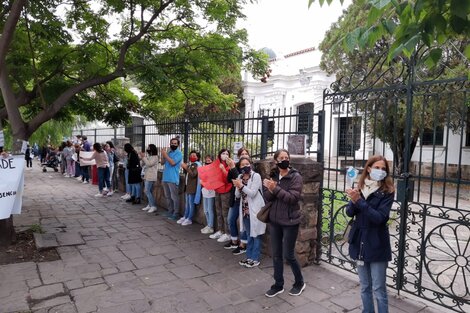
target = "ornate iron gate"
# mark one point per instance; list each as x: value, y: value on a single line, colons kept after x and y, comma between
x: 423, y: 129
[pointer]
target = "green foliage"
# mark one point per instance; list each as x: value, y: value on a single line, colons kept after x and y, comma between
x: 185, y: 56
x: 36, y: 228
x: 408, y: 24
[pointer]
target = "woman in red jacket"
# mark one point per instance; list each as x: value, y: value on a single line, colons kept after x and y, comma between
x: 222, y: 199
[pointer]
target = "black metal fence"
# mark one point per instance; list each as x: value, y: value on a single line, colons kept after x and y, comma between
x: 261, y: 132
x: 423, y: 130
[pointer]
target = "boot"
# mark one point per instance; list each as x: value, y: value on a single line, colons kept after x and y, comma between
x: 131, y: 199
x: 136, y: 201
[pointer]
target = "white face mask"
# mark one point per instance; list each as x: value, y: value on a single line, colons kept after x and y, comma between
x: 223, y: 156
x: 377, y: 174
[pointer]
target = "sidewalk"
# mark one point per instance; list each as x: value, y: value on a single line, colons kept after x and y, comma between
x: 136, y: 262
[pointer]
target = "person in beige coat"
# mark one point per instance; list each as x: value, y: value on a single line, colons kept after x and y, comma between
x: 150, y: 162
x: 248, y: 189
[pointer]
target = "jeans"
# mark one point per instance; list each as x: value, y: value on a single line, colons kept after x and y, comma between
x: 126, y: 177
x: 149, y: 193
x: 222, y: 204
x: 208, y: 204
x: 283, y: 240
x: 78, y: 169
x: 115, y: 176
x: 189, y: 206
x: 253, y: 247
x: 171, y: 195
x: 85, y: 170
x: 136, y: 190
x: 103, y: 178
x: 111, y: 170
x: 233, y: 214
x: 372, y: 276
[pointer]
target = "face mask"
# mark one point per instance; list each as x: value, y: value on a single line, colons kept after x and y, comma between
x: 207, y: 163
x: 223, y: 157
x: 283, y: 164
x: 193, y: 159
x: 245, y: 169
x: 149, y: 151
x: 377, y: 174
x: 173, y: 147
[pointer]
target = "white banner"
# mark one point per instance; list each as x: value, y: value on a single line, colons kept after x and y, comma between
x: 87, y: 155
x: 11, y: 185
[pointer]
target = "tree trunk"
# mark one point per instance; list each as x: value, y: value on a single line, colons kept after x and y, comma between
x: 7, y: 232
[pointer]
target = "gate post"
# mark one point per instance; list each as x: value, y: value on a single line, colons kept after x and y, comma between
x: 144, y: 146
x: 321, y: 136
x: 186, y: 139
x: 264, y: 137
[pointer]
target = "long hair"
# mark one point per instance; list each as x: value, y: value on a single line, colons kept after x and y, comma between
x: 153, y: 149
x: 222, y: 151
x: 239, y: 152
x: 128, y: 148
x: 385, y: 185
x: 97, y: 146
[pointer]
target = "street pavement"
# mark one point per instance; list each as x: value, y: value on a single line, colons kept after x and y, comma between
x: 137, y: 262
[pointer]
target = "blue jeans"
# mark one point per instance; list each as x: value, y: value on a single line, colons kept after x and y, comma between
x: 253, y: 247
x: 148, y: 192
x: 283, y: 240
x: 208, y: 204
x: 171, y: 195
x: 372, y: 277
x: 85, y: 173
x: 126, y: 176
x: 233, y: 214
x: 136, y: 190
x: 78, y: 169
x: 103, y: 178
x: 189, y: 206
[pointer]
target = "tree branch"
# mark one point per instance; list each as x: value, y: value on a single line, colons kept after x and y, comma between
x: 9, y: 30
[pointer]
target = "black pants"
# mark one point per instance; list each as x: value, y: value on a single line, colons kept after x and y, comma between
x: 283, y: 240
x: 29, y: 162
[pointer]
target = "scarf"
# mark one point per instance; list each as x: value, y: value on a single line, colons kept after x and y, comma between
x: 370, y: 186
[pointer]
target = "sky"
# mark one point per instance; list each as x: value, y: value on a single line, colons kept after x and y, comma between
x: 289, y: 25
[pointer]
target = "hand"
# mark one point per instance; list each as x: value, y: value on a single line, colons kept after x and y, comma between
x: 222, y: 167
x: 237, y: 183
x: 354, y: 194
x: 142, y: 154
x: 230, y: 162
x: 270, y: 184
x: 163, y: 151
x: 184, y: 165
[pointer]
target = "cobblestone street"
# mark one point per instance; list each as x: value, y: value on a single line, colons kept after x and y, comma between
x: 137, y: 262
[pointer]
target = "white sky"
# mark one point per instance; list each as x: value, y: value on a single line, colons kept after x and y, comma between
x: 289, y: 25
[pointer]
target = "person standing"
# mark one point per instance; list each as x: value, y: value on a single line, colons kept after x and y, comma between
x: 283, y: 191
x: 67, y: 154
x: 101, y: 158
x: 192, y: 188
x: 369, y: 238
x: 151, y: 162
x: 248, y: 190
x: 85, y: 170
x: 208, y: 197
x: 135, y: 170
x: 172, y: 159
x: 27, y: 157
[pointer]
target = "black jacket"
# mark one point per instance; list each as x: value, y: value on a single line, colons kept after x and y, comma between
x: 284, y: 200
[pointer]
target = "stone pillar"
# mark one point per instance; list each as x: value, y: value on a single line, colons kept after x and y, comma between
x: 312, y: 174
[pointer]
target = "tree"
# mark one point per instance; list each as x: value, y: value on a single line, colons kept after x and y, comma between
x: 60, y: 58
x: 367, y: 68
x: 410, y: 24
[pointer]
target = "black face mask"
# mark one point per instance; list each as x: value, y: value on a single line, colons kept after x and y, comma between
x: 207, y: 163
x: 245, y: 169
x: 173, y: 147
x: 284, y: 164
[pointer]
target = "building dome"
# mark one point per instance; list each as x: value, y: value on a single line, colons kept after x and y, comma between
x: 270, y: 52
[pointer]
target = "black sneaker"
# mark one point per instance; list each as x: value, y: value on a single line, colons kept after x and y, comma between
x: 297, y: 289
x: 274, y: 291
x: 230, y: 245
x: 239, y: 250
x: 252, y: 263
x: 244, y: 262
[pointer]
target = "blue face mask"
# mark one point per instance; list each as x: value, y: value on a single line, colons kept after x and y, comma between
x: 377, y: 174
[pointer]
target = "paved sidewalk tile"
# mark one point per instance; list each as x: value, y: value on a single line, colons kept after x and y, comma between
x: 118, y: 258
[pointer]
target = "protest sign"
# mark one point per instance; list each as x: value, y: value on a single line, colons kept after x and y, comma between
x: 211, y: 176
x: 11, y: 185
x: 87, y: 155
x: 236, y: 146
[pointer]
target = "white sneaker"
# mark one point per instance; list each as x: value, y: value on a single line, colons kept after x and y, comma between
x: 152, y: 209
x: 110, y: 193
x: 146, y: 208
x: 126, y: 196
x: 216, y: 235
x: 186, y: 222
x: 99, y: 195
x: 224, y: 238
x: 207, y: 230
x: 79, y: 178
x: 85, y: 182
x: 204, y: 229
x: 181, y: 220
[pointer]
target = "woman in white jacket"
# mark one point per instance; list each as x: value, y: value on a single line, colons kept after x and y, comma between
x: 248, y: 188
x: 151, y: 163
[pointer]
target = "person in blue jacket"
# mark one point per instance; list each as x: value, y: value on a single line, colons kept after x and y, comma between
x: 369, y: 239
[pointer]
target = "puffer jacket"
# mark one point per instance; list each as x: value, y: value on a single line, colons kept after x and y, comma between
x: 284, y: 200
x: 369, y: 239
x: 151, y: 163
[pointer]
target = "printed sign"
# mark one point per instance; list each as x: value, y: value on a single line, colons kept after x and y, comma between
x: 11, y: 185
x: 211, y: 176
x: 236, y: 146
x: 86, y: 155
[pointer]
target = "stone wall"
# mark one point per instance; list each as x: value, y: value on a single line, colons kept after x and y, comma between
x: 312, y: 173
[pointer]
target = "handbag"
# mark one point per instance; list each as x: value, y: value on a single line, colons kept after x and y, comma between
x: 263, y: 214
